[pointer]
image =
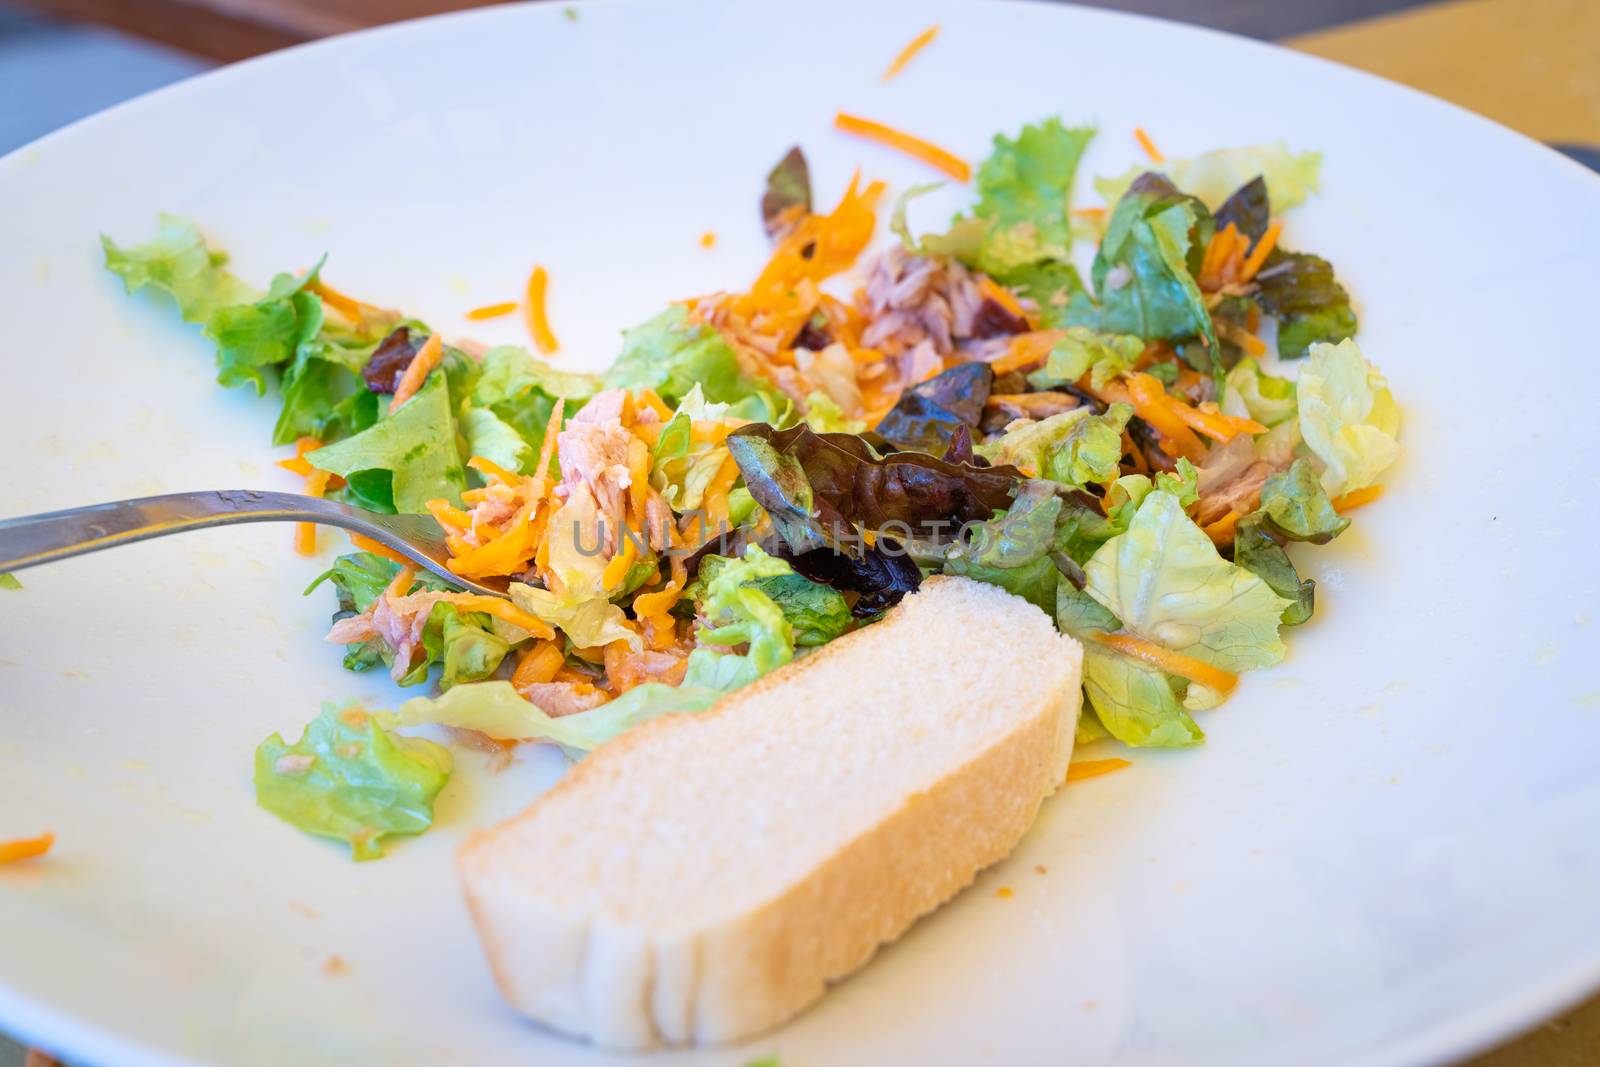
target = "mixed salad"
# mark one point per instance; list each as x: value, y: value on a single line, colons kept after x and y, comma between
x: 761, y: 471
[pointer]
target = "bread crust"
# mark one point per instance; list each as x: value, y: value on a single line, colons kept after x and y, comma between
x: 630, y: 988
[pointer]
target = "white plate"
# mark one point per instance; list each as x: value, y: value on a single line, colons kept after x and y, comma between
x: 1386, y: 854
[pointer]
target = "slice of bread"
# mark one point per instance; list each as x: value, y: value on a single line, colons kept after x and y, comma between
x: 705, y: 876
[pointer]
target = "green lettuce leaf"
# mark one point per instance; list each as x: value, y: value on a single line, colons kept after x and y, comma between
x: 408, y: 458
x: 736, y: 612
x: 1129, y: 491
x: 177, y: 262
x: 1254, y: 394
x: 1144, y: 273
x: 496, y: 709
x: 254, y: 338
x: 490, y: 436
x: 1025, y: 197
x: 521, y: 390
x: 824, y: 415
x: 1348, y: 417
x: 1298, y: 508
x: 1135, y: 702
x: 1015, y: 550
x: 586, y: 615
x: 349, y: 778
x: 671, y: 355
x: 1213, y: 177
x: 1259, y: 550
x: 9, y: 581
x: 1082, y: 351
x: 816, y: 613
x: 1311, y: 307
x: 1074, y: 447
x: 472, y: 651
x: 1294, y: 507
x: 1164, y: 579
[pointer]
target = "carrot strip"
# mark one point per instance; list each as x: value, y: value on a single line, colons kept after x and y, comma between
x: 1149, y: 400
x: 305, y: 533
x: 1148, y: 145
x: 402, y: 582
x: 651, y: 400
x: 547, y: 448
x: 1001, y: 295
x: 1026, y: 348
x: 26, y: 847
x: 349, y: 307
x: 1172, y: 662
x: 506, y: 612
x: 298, y: 464
x: 1078, y: 770
x: 900, y: 141
x: 1262, y: 250
x: 377, y: 548
x: 909, y: 52
x: 487, y: 466
x: 616, y: 570
x: 533, y: 308
x: 1356, y: 498
x: 539, y: 664
x: 1221, y: 531
x: 492, y: 311
x: 427, y: 358
x: 652, y: 605
x: 1093, y: 214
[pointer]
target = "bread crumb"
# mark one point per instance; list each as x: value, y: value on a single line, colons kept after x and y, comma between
x: 335, y: 966
x: 1038, y: 868
x: 304, y: 909
x: 1090, y: 1005
x: 1005, y: 892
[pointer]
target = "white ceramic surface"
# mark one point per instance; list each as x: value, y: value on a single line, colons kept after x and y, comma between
x: 1387, y: 853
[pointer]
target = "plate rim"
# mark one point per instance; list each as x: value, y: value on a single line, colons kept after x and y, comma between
x: 1515, y: 1012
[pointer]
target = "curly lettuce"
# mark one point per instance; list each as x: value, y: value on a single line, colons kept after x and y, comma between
x: 1291, y: 177
x: 1348, y: 417
x: 405, y: 459
x: 351, y: 779
x: 736, y: 611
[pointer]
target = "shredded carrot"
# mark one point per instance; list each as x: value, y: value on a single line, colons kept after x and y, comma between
x: 1151, y: 396
x: 1356, y: 498
x: 492, y: 311
x: 915, y: 147
x: 534, y: 309
x: 708, y: 240
x: 539, y: 664
x: 1001, y: 295
x: 1078, y: 770
x: 638, y: 478
x: 616, y: 571
x: 377, y: 548
x: 1026, y: 349
x: 1221, y: 531
x: 649, y: 399
x: 1150, y: 402
x: 402, y: 582
x: 305, y: 533
x: 654, y: 605
x: 349, y: 307
x: 505, y: 611
x: 1216, y: 252
x: 1148, y: 145
x: 909, y: 52
x: 1093, y: 214
x: 298, y: 464
x: 1262, y: 250
x: 715, y: 501
x: 427, y: 358
x: 1252, y: 345
x: 26, y: 847
x: 547, y: 447
x: 1172, y: 662
x: 487, y: 466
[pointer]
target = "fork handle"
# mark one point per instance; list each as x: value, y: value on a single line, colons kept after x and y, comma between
x: 35, y: 539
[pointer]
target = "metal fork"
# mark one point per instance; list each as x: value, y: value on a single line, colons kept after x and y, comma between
x: 35, y: 539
